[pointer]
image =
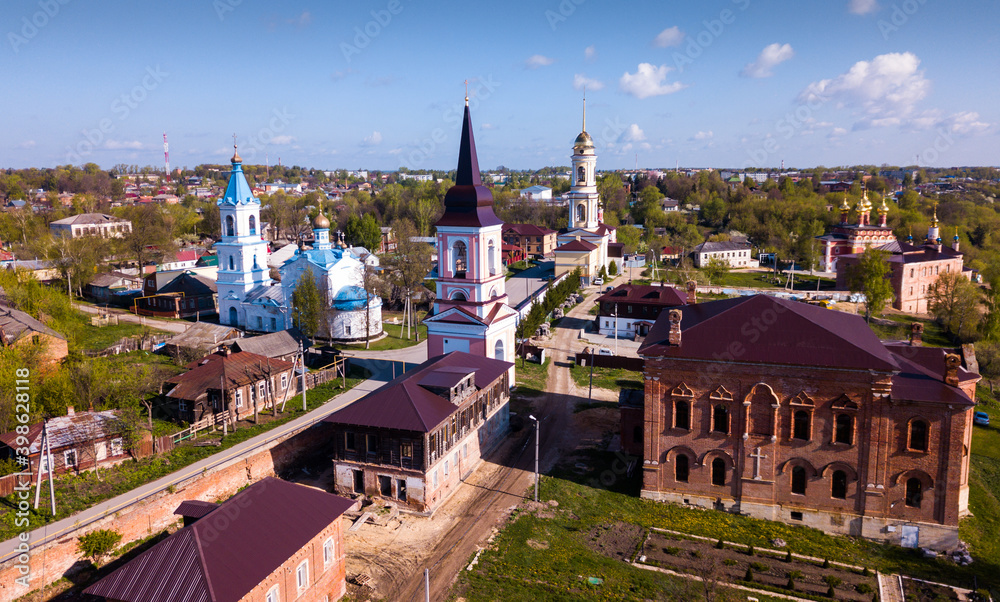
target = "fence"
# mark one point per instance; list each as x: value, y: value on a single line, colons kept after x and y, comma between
x: 611, y: 361
x: 204, y: 423
x: 129, y: 344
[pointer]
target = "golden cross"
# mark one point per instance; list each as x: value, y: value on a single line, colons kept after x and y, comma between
x: 466, y: 89
x: 234, y: 140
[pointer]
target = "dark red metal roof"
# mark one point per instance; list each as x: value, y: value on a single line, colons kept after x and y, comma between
x: 403, y: 404
x: 468, y: 202
x: 223, y: 556
x: 195, y: 508
x: 921, y: 375
x: 528, y: 229
x: 666, y: 296
x: 577, y: 245
x: 236, y: 369
x: 771, y: 331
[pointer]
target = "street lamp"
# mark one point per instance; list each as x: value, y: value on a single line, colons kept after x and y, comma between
x: 616, y: 328
x: 536, y: 454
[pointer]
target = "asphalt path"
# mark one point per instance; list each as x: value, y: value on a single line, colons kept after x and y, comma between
x: 177, y: 326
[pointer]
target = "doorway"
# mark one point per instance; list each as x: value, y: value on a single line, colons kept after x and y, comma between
x: 359, y: 481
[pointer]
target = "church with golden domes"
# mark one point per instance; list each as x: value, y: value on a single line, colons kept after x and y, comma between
x: 848, y: 238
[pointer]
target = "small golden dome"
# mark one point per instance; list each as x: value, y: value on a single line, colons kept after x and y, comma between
x: 584, y: 141
x: 321, y: 223
x: 236, y: 156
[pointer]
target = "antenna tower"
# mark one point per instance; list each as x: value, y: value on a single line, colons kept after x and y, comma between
x: 166, y: 154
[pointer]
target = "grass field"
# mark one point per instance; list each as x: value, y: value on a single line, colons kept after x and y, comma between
x: 607, y: 378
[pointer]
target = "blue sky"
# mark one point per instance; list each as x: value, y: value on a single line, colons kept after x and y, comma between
x: 379, y: 85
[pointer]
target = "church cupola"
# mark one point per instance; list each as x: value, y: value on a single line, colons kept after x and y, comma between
x: 934, y: 231
x: 845, y: 210
x: 883, y: 214
x: 321, y: 231
x: 955, y: 241
x: 468, y: 202
x: 864, y: 208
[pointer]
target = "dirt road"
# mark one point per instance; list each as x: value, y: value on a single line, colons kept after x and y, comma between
x: 505, y: 486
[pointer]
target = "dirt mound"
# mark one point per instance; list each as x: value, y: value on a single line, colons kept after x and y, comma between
x: 619, y: 540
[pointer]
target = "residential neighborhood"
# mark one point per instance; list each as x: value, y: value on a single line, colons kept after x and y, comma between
x: 456, y: 303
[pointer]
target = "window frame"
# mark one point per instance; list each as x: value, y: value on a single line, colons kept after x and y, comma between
x: 302, y: 574
x: 329, y: 552
x: 837, y: 428
x: 926, y: 436
x: 833, y: 484
x: 686, y: 468
x: 273, y: 594
x: 66, y: 456
x: 686, y: 404
x: 796, y: 413
x: 799, y: 480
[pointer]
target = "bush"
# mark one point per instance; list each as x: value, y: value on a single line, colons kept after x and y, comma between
x: 863, y: 588
x: 729, y: 561
x: 790, y: 584
x: 826, y: 563
x: 866, y: 572
x: 613, y: 268
x: 671, y: 550
x: 98, y: 544
x: 749, y: 550
x: 832, y: 580
x: 788, y: 556
x: 748, y: 576
x: 831, y: 593
x: 759, y: 567
x: 719, y: 545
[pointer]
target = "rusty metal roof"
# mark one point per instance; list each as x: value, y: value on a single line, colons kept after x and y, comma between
x: 224, y: 555
x: 235, y: 369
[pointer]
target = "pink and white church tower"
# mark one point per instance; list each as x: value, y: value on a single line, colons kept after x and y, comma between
x: 471, y: 313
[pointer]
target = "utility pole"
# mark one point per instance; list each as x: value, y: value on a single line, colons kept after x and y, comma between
x: 302, y: 358
x: 591, y: 394
x: 616, y: 328
x: 427, y: 585
x: 536, y: 454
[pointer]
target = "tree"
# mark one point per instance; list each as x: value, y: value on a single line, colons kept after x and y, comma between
x: 716, y: 268
x: 307, y: 304
x: 374, y: 287
x: 150, y: 238
x: 870, y: 276
x: 363, y: 231
x: 98, y: 544
x: 410, y: 265
x: 954, y: 301
x: 991, y: 321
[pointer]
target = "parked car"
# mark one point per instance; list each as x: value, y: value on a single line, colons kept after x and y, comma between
x: 981, y: 418
x: 609, y: 289
x: 598, y: 281
x: 604, y: 351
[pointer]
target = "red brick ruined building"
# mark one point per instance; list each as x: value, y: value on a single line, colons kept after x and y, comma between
x: 786, y: 411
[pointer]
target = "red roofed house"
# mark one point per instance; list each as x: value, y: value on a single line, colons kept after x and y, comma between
x: 534, y: 240
x: 272, y: 542
x: 77, y: 441
x: 245, y: 378
x: 416, y: 438
x: 791, y: 412
x: 580, y: 254
x: 632, y: 309
x: 181, y: 260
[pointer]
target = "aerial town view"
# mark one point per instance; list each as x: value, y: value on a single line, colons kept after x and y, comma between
x: 470, y: 302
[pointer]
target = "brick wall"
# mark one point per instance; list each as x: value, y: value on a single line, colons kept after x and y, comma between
x: 53, y: 560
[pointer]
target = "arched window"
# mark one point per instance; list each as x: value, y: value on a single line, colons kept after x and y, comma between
x: 799, y: 480
x: 253, y: 225
x: 681, y: 468
x: 581, y: 175
x: 233, y: 321
x: 918, y: 435
x: 581, y: 212
x: 800, y: 429
x: 493, y: 293
x: 232, y: 264
x: 914, y: 492
x: 491, y: 258
x: 230, y: 226
x: 844, y: 429
x: 838, y: 488
x: 720, y: 419
x: 458, y: 296
x: 682, y: 415
x: 460, y: 260
x: 498, y: 351
x: 718, y: 471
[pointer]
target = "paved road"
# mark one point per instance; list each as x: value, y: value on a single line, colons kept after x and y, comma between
x: 59, y: 529
x: 509, y: 485
x: 177, y: 326
x: 523, y: 284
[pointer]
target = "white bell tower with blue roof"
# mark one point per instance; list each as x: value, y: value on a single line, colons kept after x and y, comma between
x: 242, y: 251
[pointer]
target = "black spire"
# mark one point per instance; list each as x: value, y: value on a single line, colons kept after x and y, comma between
x: 468, y: 162
x: 468, y: 202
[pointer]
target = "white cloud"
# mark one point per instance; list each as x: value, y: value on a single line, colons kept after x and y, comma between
x: 27, y: 144
x: 966, y: 122
x: 581, y: 81
x: 123, y: 144
x: 632, y: 133
x: 538, y: 60
x: 302, y: 20
x: 671, y: 36
x: 649, y: 80
x: 703, y: 135
x: 282, y: 140
x: 888, y: 86
x: 487, y: 126
x: 837, y: 133
x: 396, y: 151
x: 339, y: 75
x: 862, y: 7
x: 590, y: 53
x: 769, y: 58
x: 372, y: 140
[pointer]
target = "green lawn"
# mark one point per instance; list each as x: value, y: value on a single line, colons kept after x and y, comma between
x: 607, y: 378
x: 395, y: 335
x: 933, y: 336
x: 537, y: 558
x: 740, y: 278
x: 530, y: 377
x: 75, y: 493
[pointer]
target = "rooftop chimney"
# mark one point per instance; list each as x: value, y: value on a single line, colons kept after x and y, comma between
x: 692, y: 292
x: 674, y: 338
x: 951, y: 363
x: 70, y: 410
x: 916, y: 334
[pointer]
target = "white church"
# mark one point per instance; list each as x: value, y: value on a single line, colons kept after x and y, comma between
x: 249, y: 299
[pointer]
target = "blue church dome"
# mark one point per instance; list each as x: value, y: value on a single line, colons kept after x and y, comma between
x: 350, y: 298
